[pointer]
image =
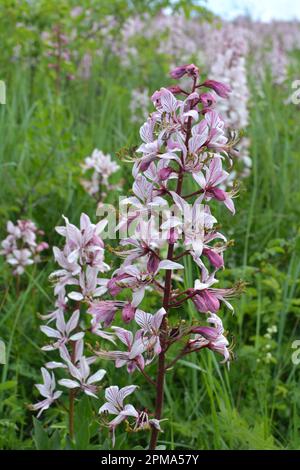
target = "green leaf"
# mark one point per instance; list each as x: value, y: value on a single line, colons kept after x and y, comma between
x: 2, y: 352
x: 40, y: 436
x: 83, y: 417
x: 42, y: 439
x: 55, y: 440
x: 8, y: 385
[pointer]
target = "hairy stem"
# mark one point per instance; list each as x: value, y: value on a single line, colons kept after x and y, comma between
x: 180, y: 302
x: 181, y: 255
x: 195, y: 193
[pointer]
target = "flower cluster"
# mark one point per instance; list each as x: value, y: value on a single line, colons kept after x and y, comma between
x: 58, y: 53
x: 270, y: 45
x: 21, y: 247
x: 101, y: 167
x: 181, y: 39
x: 227, y: 63
x: 76, y: 283
x: 182, y: 140
x: 139, y: 105
x: 115, y: 406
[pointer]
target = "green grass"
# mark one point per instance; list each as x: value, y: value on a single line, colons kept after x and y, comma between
x: 43, y: 139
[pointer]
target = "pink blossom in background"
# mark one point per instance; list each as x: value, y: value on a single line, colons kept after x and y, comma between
x: 100, y: 167
x: 21, y: 247
x: 139, y: 104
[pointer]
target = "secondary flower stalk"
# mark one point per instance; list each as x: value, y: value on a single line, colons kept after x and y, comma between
x: 76, y: 285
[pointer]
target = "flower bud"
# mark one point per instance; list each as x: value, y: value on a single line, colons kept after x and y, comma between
x: 180, y: 71
x: 128, y: 313
x: 220, y: 88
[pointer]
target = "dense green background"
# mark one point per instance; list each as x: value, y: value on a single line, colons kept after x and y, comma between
x: 45, y: 134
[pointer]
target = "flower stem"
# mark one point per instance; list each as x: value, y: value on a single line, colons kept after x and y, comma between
x: 161, y: 359
x: 163, y: 337
x: 166, y: 301
x: 152, y: 382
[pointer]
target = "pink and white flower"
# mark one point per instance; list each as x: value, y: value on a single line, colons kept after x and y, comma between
x: 115, y: 406
x: 133, y: 357
x: 83, y: 379
x: 20, y: 247
x: 214, y: 177
x: 47, y: 390
x: 216, y: 341
x: 102, y: 167
x: 150, y: 331
x: 62, y: 334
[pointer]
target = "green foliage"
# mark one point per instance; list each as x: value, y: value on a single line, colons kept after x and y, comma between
x: 42, y: 439
x: 45, y: 134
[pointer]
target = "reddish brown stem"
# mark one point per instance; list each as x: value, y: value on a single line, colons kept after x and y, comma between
x: 161, y: 359
x: 160, y: 286
x: 179, y: 294
x: 179, y: 356
x: 163, y: 337
x: 180, y: 302
x: 147, y: 377
x: 181, y: 255
x: 195, y: 193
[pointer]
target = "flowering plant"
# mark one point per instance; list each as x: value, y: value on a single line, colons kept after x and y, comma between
x: 21, y: 247
x: 75, y: 283
x: 101, y: 168
x: 184, y: 140
x: 58, y: 53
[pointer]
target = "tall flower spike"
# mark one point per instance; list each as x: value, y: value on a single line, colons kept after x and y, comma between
x: 183, y: 138
x: 76, y: 285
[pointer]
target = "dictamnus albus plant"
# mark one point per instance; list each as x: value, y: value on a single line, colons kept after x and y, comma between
x: 22, y: 247
x: 58, y: 54
x: 183, y: 139
x: 76, y: 283
x: 160, y: 224
x: 98, y: 169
